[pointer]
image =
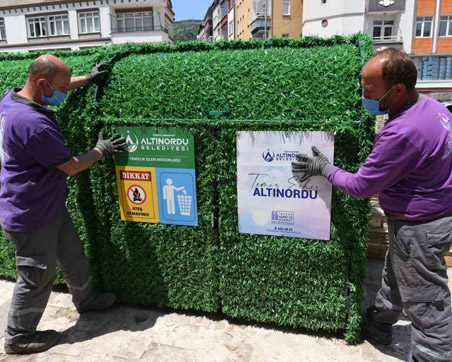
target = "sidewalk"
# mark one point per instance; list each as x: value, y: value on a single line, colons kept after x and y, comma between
x: 128, y: 333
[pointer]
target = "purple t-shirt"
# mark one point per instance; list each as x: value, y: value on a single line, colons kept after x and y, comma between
x: 33, y: 190
x: 410, y: 165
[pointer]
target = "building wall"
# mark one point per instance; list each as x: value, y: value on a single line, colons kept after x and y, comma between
x: 444, y: 45
x: 422, y: 45
x: 216, y: 19
x: 435, y: 61
x: 17, y: 32
x: 288, y: 25
x: 344, y: 25
x: 425, y: 7
x: 446, y: 7
x: 244, y: 11
x: 435, y: 43
x: 407, y: 20
x: 343, y: 17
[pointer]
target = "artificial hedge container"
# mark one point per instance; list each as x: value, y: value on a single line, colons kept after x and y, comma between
x: 307, y: 283
x: 286, y: 85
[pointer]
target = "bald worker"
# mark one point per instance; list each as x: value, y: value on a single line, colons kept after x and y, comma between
x: 410, y: 167
x: 33, y: 214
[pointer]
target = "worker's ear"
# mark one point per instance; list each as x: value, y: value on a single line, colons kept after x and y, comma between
x: 44, y: 86
x: 399, y: 89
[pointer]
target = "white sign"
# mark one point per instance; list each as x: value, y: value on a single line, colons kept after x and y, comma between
x: 271, y: 199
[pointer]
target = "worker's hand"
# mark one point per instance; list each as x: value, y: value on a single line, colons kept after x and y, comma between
x: 98, y: 73
x: 115, y: 144
x: 312, y: 166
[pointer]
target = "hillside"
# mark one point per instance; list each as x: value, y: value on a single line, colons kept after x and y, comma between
x: 186, y: 30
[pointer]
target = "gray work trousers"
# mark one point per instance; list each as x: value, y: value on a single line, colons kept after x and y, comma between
x: 37, y: 254
x: 415, y: 279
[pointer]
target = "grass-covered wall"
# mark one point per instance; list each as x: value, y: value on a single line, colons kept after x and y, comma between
x: 309, y: 84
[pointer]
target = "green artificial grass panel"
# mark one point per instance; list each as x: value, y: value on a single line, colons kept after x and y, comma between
x: 275, y: 83
x: 297, y: 282
x: 156, y: 264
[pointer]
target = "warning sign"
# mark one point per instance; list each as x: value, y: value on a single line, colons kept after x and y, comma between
x: 137, y: 193
x: 156, y: 177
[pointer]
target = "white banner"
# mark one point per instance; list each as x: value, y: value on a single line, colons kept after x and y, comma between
x: 271, y: 199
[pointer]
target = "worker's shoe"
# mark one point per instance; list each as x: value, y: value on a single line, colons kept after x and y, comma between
x: 35, y: 343
x: 380, y: 332
x: 101, y: 302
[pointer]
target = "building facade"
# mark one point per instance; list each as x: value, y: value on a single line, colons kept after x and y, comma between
x: 205, y: 32
x: 256, y: 19
x: 390, y: 22
x: 27, y: 25
x: 422, y: 28
x: 216, y: 20
x: 432, y: 47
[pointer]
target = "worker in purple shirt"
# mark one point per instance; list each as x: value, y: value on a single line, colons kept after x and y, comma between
x: 410, y: 168
x: 35, y: 164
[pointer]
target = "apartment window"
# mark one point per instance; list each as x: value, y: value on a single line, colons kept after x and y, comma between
x: 37, y: 27
x: 424, y: 26
x: 88, y: 22
x: 142, y: 21
x: 445, y: 25
x: 58, y: 25
x: 383, y: 29
x: 2, y: 30
x: 286, y: 7
x: 231, y: 28
x: 285, y: 35
x: 224, y: 8
x: 50, y: 25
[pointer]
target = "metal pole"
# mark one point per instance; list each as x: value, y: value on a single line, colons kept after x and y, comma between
x: 265, y: 34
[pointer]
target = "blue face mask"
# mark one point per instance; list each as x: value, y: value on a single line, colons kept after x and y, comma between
x: 55, y: 100
x: 373, y: 106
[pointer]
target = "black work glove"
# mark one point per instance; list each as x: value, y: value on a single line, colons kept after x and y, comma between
x: 98, y: 73
x: 115, y: 144
x: 312, y: 166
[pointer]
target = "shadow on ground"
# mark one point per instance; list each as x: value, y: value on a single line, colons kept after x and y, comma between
x: 120, y: 318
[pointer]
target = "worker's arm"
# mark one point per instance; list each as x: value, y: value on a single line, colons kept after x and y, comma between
x: 115, y: 144
x: 80, y: 163
x: 392, y: 158
x: 77, y: 82
x: 97, y: 74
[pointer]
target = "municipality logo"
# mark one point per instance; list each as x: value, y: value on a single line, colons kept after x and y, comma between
x: 132, y: 143
x: 386, y: 3
x: 444, y: 121
x: 268, y: 155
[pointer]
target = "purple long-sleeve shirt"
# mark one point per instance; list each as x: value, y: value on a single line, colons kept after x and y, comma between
x: 410, y: 165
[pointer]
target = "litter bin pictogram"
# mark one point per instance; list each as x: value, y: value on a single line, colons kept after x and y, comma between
x: 184, y: 204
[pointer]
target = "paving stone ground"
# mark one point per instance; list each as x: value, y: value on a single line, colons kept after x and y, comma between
x: 130, y: 333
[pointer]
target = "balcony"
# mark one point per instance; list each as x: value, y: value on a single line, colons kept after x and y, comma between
x: 258, y: 24
x: 139, y: 29
x: 389, y: 41
x: 386, y: 6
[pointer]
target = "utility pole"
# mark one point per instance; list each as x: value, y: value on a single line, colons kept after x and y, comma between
x: 265, y: 34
